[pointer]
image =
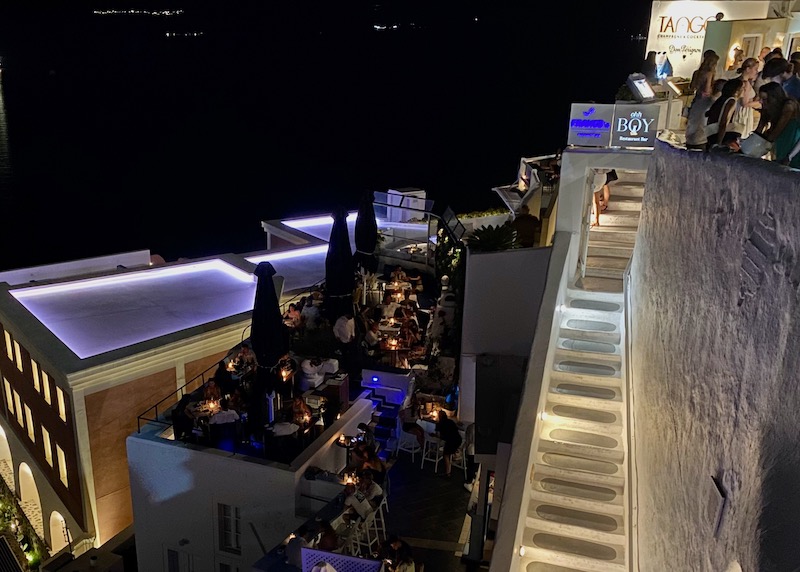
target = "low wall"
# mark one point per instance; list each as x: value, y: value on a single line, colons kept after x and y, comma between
x: 715, y: 332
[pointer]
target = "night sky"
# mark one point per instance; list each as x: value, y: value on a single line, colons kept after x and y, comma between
x: 121, y: 137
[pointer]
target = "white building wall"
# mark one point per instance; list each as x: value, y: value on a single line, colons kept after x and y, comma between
x: 175, y: 494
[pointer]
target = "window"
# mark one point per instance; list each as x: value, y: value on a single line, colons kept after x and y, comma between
x: 228, y: 522
x: 227, y: 567
x: 48, y: 448
x: 29, y: 424
x: 62, y: 465
x: 62, y: 409
x: 46, y: 387
x: 18, y: 408
x: 37, y: 385
x: 9, y: 396
x: 18, y: 354
x: 8, y: 345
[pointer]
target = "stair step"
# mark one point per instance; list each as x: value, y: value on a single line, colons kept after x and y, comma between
x: 588, y: 360
x: 626, y: 234
x: 612, y: 217
x: 614, y: 541
x: 568, y: 510
x: 590, y: 335
x: 543, y: 560
x: 593, y: 496
x: 574, y: 293
x: 588, y: 346
x: 585, y: 397
x: 597, y: 473
x: 581, y: 444
x: 584, y: 377
x: 601, y: 285
x: 610, y: 262
x: 624, y: 203
x: 609, y: 249
x: 605, y: 272
x: 598, y: 311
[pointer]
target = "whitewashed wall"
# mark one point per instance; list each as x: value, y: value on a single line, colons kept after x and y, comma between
x: 716, y: 366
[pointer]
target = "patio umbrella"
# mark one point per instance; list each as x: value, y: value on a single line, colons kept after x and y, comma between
x: 339, y: 268
x: 266, y: 337
x: 366, y: 235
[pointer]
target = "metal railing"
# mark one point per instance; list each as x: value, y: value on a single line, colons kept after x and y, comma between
x: 198, y: 381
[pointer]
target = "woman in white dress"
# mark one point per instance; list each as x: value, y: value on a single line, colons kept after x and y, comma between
x: 744, y: 114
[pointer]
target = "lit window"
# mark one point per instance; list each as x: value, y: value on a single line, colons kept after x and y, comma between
x: 18, y: 354
x: 29, y: 424
x: 18, y: 408
x: 46, y: 387
x: 37, y: 385
x: 225, y: 567
x: 62, y: 409
x: 48, y: 448
x: 9, y: 397
x: 9, y: 352
x: 228, y: 522
x: 62, y: 465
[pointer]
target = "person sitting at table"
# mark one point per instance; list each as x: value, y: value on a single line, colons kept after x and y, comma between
x: 372, y: 339
x: 408, y: 418
x: 374, y: 463
x: 389, y: 307
x: 246, y: 358
x: 183, y: 418
x: 356, y: 502
x: 224, y: 415
x: 327, y: 537
x: 301, y: 412
x: 224, y: 378
x: 447, y: 430
x: 211, y: 391
x: 238, y: 401
x: 371, y: 490
x: 311, y: 373
x: 398, y: 275
x: 291, y: 318
x: 302, y: 538
x: 410, y: 299
x: 396, y: 554
x: 310, y: 315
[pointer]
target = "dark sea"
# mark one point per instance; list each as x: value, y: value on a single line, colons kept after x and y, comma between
x: 179, y: 134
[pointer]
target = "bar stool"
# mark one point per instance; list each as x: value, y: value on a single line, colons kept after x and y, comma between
x: 365, y: 539
x: 432, y: 451
x: 380, y: 517
x: 459, y: 459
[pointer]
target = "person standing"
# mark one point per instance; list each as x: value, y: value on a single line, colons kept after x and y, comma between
x: 447, y: 430
x: 469, y: 451
x: 650, y: 68
x: 526, y: 225
x: 721, y: 128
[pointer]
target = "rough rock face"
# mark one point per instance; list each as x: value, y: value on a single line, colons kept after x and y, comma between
x: 716, y: 332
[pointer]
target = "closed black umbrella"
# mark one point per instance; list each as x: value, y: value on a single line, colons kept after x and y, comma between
x: 366, y: 235
x: 339, y: 268
x: 266, y: 337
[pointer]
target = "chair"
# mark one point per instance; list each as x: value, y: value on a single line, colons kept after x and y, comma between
x: 365, y: 538
x: 432, y: 451
x: 380, y: 517
x: 459, y: 459
x: 408, y: 443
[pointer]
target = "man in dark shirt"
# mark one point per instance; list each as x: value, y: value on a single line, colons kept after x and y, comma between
x: 526, y: 226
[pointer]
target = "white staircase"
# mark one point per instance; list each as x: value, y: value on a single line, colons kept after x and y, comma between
x: 611, y: 244
x: 576, y: 515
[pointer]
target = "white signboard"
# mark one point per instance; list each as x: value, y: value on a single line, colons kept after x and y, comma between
x: 678, y: 30
x: 635, y: 125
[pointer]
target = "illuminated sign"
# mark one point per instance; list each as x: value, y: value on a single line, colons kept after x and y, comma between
x: 635, y: 125
x: 590, y: 124
x: 678, y: 30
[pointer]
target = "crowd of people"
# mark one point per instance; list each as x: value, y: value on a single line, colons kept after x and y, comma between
x: 752, y: 107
